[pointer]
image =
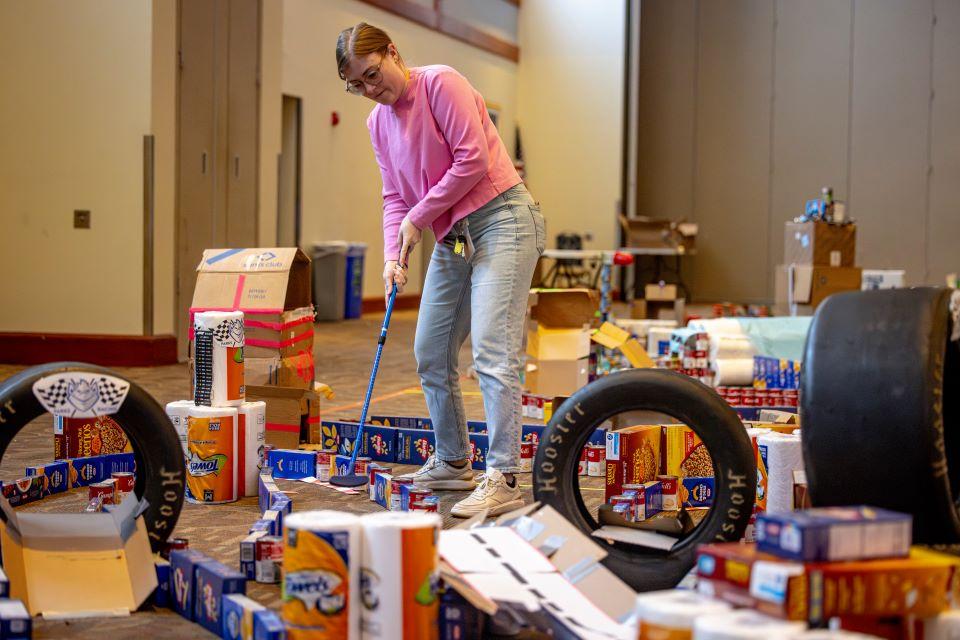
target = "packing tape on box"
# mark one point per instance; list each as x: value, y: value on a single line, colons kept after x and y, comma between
x: 733, y: 373
x: 212, y: 454
x: 744, y: 625
x: 178, y: 411
x: 399, y: 574
x: 252, y: 431
x: 218, y: 360
x: 321, y: 575
x: 670, y: 614
x: 780, y: 455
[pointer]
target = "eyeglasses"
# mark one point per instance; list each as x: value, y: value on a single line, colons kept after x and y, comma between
x: 371, y: 76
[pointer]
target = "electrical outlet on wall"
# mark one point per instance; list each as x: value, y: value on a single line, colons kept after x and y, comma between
x: 81, y: 219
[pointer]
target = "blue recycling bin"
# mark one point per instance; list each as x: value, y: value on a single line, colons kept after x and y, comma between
x: 353, y: 302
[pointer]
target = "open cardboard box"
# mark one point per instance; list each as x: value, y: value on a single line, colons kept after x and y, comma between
x: 292, y: 416
x: 67, y: 565
x: 613, y: 337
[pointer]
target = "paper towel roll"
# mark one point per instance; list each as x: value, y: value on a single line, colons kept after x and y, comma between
x: 945, y: 626
x: 250, y: 436
x: 177, y: 411
x: 733, y: 373
x: 780, y: 454
x: 744, y: 625
x: 670, y: 614
x: 211, y: 454
x: 657, y: 337
x: 321, y: 575
x: 218, y: 358
x: 399, y: 575
x: 728, y: 347
x: 829, y: 634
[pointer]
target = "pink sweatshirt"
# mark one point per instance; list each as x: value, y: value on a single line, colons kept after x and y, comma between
x: 440, y: 156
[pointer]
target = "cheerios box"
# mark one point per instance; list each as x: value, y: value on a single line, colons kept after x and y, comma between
x: 55, y: 474
x: 213, y: 581
x: 632, y: 457
x: 414, y: 446
x: 684, y: 454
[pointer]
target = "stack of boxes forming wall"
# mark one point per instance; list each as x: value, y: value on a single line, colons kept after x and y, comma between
x: 818, y: 261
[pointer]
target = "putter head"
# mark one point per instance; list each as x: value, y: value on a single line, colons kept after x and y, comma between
x: 348, y: 480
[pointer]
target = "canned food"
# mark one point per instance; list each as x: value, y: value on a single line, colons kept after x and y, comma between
x: 104, y: 490
x: 749, y: 397
x: 324, y: 460
x: 669, y: 486
x: 790, y: 397
x: 124, y: 481
x: 526, y: 457
x: 174, y: 544
x: 582, y: 468
x: 396, y: 502
x: 372, y: 470
x: 361, y: 464
x: 416, y: 495
x: 94, y: 505
x: 623, y: 510
x: 630, y: 502
x: 268, y: 559
x: 429, y: 504
x: 596, y: 460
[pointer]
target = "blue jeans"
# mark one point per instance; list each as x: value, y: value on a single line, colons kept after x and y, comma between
x: 484, y: 296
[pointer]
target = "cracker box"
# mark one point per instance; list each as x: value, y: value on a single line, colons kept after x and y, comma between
x: 15, y: 620
x: 266, y: 487
x: 237, y: 616
x: 632, y: 457
x: 922, y: 585
x: 379, y: 444
x: 381, y: 489
x: 248, y: 554
x: 55, y: 475
x: 696, y: 492
x: 267, y: 625
x: 479, y: 447
x: 183, y: 563
x: 292, y: 464
x: 85, y: 437
x: 684, y: 454
x: 24, y: 490
x: 213, y: 581
x: 414, y: 446
x: 834, y: 534
x: 401, y: 422
x: 161, y: 597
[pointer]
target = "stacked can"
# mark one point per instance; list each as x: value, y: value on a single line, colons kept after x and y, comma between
x: 268, y: 559
x: 596, y: 460
x: 324, y: 460
x: 372, y: 470
x: 395, y: 494
x: 526, y: 457
x: 102, y: 490
x: 124, y: 482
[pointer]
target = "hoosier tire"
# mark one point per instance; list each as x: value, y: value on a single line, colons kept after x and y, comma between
x: 880, y: 403
x: 556, y: 482
x: 160, y: 472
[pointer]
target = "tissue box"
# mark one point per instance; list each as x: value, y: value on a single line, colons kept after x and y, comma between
x: 214, y: 580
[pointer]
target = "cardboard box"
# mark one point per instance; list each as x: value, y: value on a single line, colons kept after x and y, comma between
x: 267, y: 625
x: 292, y: 415
x: 660, y: 292
x: 696, y: 492
x: 379, y: 444
x: 109, y: 551
x: 654, y: 233
x: 563, y: 308
x: 479, y: 448
x: 56, y: 476
x: 613, y: 337
x: 557, y: 377
x: 292, y: 464
x: 545, y: 343
x: 664, y: 310
x: 812, y: 284
x: 922, y: 585
x: 684, y: 454
x: 213, y: 581
x: 872, y: 279
x: 287, y: 334
x: 295, y: 371
x: 84, y: 437
x: 162, y: 597
x: 267, y: 487
x: 15, y: 621
x: 834, y: 534
x: 381, y: 489
x: 248, y: 554
x: 632, y: 457
x: 819, y: 244
x: 25, y: 490
x: 401, y: 422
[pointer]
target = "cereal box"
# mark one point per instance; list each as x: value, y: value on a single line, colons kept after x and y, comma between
x: 292, y: 464
x: 684, y: 454
x: 414, y: 446
x: 267, y: 625
x: 237, y: 616
x: 82, y: 472
x: 632, y: 457
x: 213, y: 581
x: 85, y: 437
x: 55, y: 474
x: 183, y: 562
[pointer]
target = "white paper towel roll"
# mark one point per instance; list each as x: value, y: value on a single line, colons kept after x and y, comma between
x: 670, y: 614
x: 321, y: 575
x: 733, y: 373
x: 727, y: 347
x: 218, y: 358
x: 253, y: 420
x: 211, y: 454
x: 829, y: 634
x: 744, y: 625
x: 178, y: 411
x: 780, y: 455
x: 399, y: 575
x: 945, y: 626
x: 657, y: 336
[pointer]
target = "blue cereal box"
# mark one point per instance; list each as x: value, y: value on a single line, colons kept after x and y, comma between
x: 213, y: 581
x: 414, y: 446
x: 479, y: 447
x: 401, y: 422
x: 266, y: 526
x: 24, y: 490
x: 161, y: 597
x: 237, y: 616
x: 283, y: 505
x: 379, y: 443
x: 266, y: 487
x: 183, y: 563
x: 248, y: 554
x: 119, y: 462
x: 15, y: 621
x: 292, y: 464
x: 56, y: 476
x: 696, y: 492
x: 381, y: 489
x: 267, y: 626
x: 835, y: 534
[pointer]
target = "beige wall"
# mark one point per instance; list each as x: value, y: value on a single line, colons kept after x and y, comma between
x: 570, y: 87
x: 76, y: 104
x: 341, y: 182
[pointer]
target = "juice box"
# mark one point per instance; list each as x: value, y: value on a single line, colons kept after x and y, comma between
x: 213, y: 581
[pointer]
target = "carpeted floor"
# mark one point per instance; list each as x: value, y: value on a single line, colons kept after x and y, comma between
x: 344, y: 354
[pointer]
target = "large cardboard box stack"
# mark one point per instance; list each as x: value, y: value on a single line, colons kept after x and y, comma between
x: 558, y: 340
x: 819, y: 261
x: 272, y: 286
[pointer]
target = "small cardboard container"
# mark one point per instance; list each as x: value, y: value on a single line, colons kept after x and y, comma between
x: 292, y: 416
x: 684, y: 454
x: 819, y: 244
x: 812, y: 284
x: 557, y: 377
x: 613, y: 337
x: 660, y: 292
x: 84, y: 437
x: 293, y: 371
x: 414, y: 446
x: 53, y: 559
x: 632, y: 457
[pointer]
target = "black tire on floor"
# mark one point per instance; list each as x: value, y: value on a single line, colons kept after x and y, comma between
x: 157, y: 450
x: 880, y: 402
x: 556, y: 482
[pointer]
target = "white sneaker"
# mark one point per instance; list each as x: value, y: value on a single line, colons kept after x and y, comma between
x: 493, y: 493
x: 438, y: 474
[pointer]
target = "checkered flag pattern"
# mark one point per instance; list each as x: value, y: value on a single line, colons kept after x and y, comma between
x: 229, y: 333
x: 81, y: 393
x: 203, y: 366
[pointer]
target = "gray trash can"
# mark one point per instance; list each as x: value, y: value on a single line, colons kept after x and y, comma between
x: 329, y: 279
